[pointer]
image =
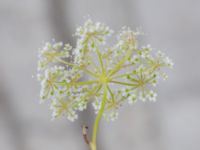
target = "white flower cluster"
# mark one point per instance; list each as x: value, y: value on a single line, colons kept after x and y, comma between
x: 127, y: 72
x: 89, y: 36
x: 127, y: 38
x: 93, y: 33
x: 52, y: 53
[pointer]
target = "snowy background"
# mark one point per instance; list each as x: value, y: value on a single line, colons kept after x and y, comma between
x: 173, y: 123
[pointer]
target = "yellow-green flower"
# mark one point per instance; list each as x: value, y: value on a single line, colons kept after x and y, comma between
x: 106, y: 76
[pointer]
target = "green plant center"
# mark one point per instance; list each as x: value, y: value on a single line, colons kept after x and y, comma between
x: 103, y: 79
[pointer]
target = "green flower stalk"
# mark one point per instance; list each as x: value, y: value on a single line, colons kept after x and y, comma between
x: 92, y: 73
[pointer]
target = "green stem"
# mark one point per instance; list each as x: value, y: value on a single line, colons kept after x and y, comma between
x: 100, y: 60
x: 124, y: 83
x: 75, y: 65
x: 111, y: 93
x: 67, y: 63
x: 119, y: 76
x: 90, y: 73
x: 86, y: 82
x: 121, y: 63
x: 98, y: 118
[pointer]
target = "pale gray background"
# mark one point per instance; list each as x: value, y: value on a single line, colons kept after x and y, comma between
x: 173, y: 123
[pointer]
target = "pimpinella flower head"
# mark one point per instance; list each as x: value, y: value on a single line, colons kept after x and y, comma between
x: 93, y: 73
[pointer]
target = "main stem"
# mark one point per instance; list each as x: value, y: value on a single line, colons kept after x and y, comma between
x: 93, y: 145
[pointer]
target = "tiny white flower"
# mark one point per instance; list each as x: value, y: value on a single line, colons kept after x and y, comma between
x: 169, y: 62
x: 111, y: 116
x: 152, y: 96
x: 135, y: 59
x: 132, y: 99
x: 142, y: 96
x: 72, y: 116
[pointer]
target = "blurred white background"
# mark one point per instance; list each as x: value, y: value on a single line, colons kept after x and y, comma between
x: 172, y: 123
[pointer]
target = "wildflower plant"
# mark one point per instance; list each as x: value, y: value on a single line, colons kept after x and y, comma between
x: 92, y: 73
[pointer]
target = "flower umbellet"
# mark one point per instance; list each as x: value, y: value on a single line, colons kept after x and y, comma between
x: 92, y: 73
